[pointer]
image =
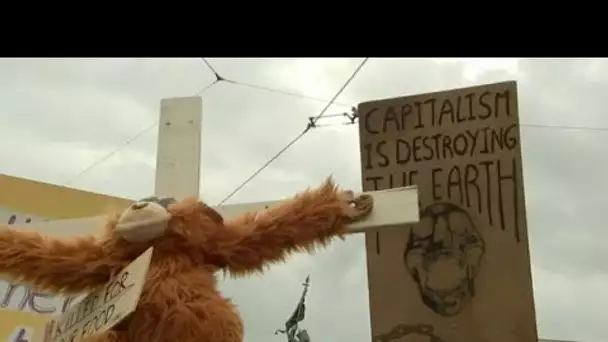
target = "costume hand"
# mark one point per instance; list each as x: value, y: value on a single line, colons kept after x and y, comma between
x: 356, y: 208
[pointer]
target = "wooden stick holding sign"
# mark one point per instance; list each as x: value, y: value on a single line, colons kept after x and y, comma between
x: 392, y: 208
x: 102, y: 310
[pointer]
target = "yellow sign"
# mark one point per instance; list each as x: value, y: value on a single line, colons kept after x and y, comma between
x: 26, y: 201
x: 52, y: 201
x: 20, y: 326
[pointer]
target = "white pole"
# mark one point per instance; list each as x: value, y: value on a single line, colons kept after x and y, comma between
x: 178, y: 158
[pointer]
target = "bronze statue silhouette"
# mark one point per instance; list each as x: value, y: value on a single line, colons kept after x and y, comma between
x: 295, y: 334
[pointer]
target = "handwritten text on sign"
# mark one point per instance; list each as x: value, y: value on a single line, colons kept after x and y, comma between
x: 16, y: 296
x: 472, y: 134
x: 100, y: 311
x: 19, y: 326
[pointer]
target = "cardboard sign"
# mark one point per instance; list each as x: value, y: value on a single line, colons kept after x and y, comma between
x: 98, y: 312
x: 10, y: 217
x: 463, y: 272
x: 19, y: 326
x: 24, y: 202
x: 54, y: 201
x: 16, y: 296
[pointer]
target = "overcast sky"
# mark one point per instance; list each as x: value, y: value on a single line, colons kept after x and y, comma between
x: 60, y: 116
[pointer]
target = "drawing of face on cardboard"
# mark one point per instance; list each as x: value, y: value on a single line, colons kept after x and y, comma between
x: 443, y: 255
x: 416, y: 337
x: 409, y: 333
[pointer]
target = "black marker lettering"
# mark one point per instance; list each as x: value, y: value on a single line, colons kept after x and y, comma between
x: 391, y: 184
x: 435, y: 184
x: 486, y: 165
x: 368, y: 156
x: 483, y: 102
x: 471, y: 177
x: 454, y: 182
x: 427, y: 141
x: 406, y: 110
x: 375, y: 180
x: 469, y: 98
x: 380, y: 151
x: 461, y: 144
x: 510, y: 137
x: 458, y: 113
x: 497, y: 140
x: 368, y: 115
x: 502, y: 98
x: 417, y: 142
x: 411, y: 175
x: 390, y: 117
x: 403, y: 152
x: 503, y: 177
x: 473, y: 137
x: 447, y: 147
x: 447, y: 110
x: 418, y: 106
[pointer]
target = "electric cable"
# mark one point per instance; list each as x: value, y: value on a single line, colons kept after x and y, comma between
x: 220, y: 78
x: 310, y: 125
x: 353, y: 120
x: 126, y: 143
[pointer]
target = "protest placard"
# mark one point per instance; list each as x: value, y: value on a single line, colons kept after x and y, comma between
x: 22, y: 326
x: 102, y: 310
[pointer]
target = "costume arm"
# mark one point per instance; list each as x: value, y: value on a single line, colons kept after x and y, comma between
x: 72, y: 266
x: 311, y: 218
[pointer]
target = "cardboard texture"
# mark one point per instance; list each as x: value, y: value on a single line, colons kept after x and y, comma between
x: 462, y: 274
x: 20, y: 297
x: 99, y: 312
x: 24, y: 201
x: 20, y: 326
x: 54, y: 201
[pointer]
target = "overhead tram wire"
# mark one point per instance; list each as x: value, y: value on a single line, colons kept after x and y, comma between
x: 310, y: 125
x: 353, y: 120
x: 219, y: 78
x: 283, y: 92
x: 110, y: 154
x: 140, y: 133
x: 567, y: 128
x: 125, y: 143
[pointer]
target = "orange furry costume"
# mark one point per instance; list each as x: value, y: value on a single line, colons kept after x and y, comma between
x: 180, y: 301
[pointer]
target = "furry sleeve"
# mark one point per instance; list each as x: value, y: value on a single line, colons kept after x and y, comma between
x: 72, y: 265
x: 246, y: 244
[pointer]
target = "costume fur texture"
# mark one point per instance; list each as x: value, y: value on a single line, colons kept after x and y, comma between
x: 180, y: 301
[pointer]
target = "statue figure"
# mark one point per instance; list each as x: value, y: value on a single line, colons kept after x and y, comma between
x: 295, y: 334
